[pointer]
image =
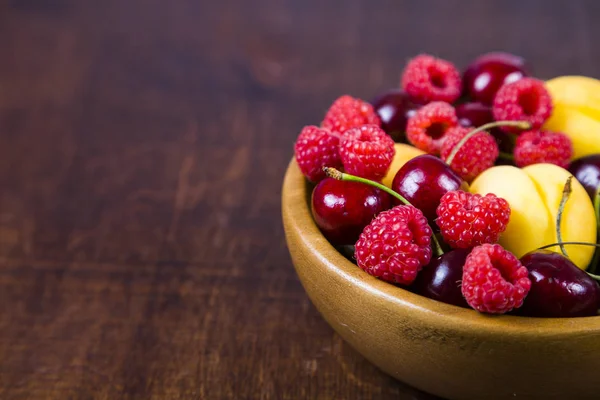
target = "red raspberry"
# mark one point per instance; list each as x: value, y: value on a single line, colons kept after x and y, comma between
x: 427, y: 127
x: 316, y: 148
x: 494, y: 280
x: 367, y: 151
x: 426, y: 78
x: 476, y: 155
x: 524, y: 100
x: 347, y: 112
x: 395, y: 245
x: 467, y: 220
x: 534, y: 147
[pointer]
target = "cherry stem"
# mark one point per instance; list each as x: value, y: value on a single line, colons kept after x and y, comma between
x: 506, y: 156
x: 561, y: 208
x: 597, y: 206
x: 596, y: 259
x: 518, y: 124
x: 562, y: 243
x: 593, y: 276
x: 341, y: 176
x: 596, y: 277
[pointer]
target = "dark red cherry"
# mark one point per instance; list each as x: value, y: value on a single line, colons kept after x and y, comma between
x: 587, y: 171
x: 440, y: 280
x: 488, y: 72
x: 394, y: 108
x: 558, y: 288
x: 474, y: 114
x: 423, y: 181
x: 342, y: 209
x: 477, y: 114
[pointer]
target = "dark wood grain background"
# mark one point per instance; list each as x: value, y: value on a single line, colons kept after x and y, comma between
x: 142, y: 149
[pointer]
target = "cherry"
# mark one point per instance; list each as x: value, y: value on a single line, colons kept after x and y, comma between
x: 423, y: 181
x: 587, y: 171
x: 342, y: 209
x: 488, y: 72
x: 474, y: 114
x: 440, y: 280
x: 394, y: 108
x: 477, y: 114
x: 558, y: 288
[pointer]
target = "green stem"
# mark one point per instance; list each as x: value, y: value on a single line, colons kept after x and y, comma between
x: 593, y: 276
x: 517, y: 124
x: 596, y: 258
x: 561, y: 208
x: 597, y: 206
x: 341, y: 176
x: 438, y: 247
x: 506, y: 156
x: 595, y: 261
x: 596, y: 277
x: 561, y: 243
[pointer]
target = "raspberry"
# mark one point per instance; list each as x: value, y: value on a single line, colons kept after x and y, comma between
x: 347, y: 112
x: 426, y: 78
x: 316, y: 148
x: 534, y: 147
x: 494, y: 280
x: 395, y: 245
x: 467, y: 220
x: 524, y: 100
x: 427, y: 127
x: 367, y: 151
x: 476, y: 155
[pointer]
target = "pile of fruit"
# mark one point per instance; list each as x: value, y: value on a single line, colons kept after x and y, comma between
x: 479, y: 189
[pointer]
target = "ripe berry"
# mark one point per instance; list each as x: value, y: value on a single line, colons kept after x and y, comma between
x: 426, y: 129
x: 394, y: 108
x: 474, y: 114
x: 477, y: 114
x: 342, y: 209
x: 587, y: 171
x: 426, y: 78
x: 440, y: 280
x: 395, y: 245
x: 367, y: 151
x: 347, y: 112
x: 494, y: 280
x: 467, y: 220
x: 423, y: 181
x: 489, y: 72
x: 559, y: 289
x: 316, y: 148
x: 474, y: 156
x: 524, y: 100
x: 534, y: 147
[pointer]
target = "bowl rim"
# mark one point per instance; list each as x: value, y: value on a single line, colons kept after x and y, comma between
x: 298, y: 217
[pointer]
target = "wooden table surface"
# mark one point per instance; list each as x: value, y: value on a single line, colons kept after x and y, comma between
x: 142, y: 149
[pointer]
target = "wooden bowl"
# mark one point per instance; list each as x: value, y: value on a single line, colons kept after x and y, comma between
x: 445, y: 350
